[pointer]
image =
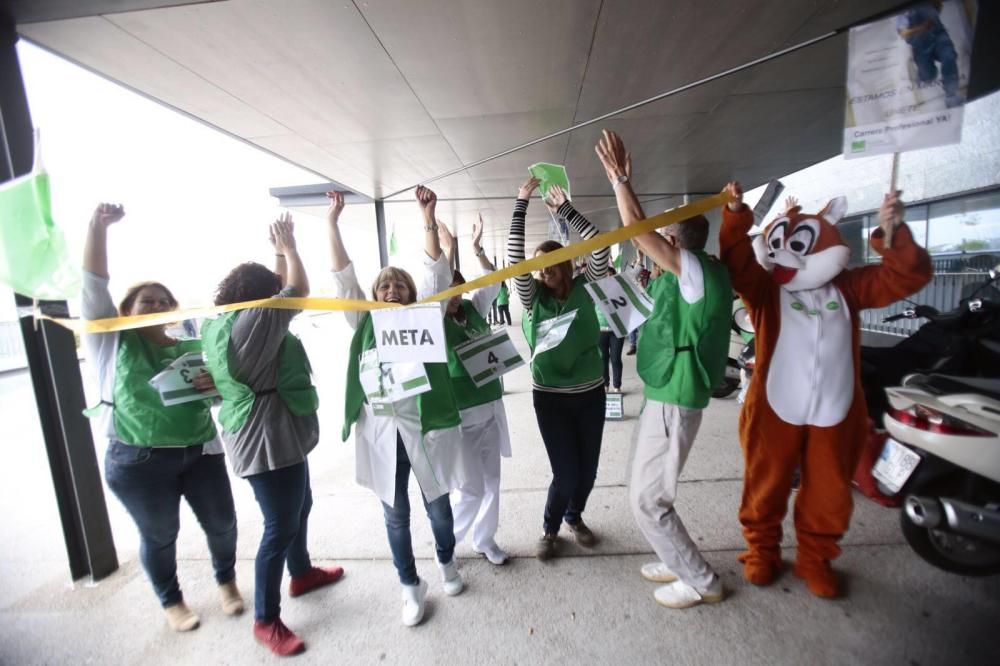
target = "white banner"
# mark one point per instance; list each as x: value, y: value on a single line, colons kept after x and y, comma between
x: 176, y: 382
x: 552, y: 331
x: 413, y: 333
x: 488, y: 357
x: 907, y: 77
x: 624, y: 303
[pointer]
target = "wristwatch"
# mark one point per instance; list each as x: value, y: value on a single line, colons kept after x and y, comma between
x: 432, y: 227
x: 619, y: 180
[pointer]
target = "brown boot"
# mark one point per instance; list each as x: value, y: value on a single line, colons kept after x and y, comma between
x: 180, y: 617
x: 759, y: 569
x: 819, y: 577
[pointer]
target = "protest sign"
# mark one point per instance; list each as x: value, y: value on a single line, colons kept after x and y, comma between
x: 413, y: 333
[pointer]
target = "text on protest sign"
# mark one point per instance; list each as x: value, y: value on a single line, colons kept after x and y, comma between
x: 414, y: 333
x: 488, y: 357
x: 907, y: 78
x: 625, y: 305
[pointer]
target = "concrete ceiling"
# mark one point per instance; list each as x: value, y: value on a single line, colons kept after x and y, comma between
x: 383, y: 94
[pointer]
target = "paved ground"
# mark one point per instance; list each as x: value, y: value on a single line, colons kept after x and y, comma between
x: 585, y: 607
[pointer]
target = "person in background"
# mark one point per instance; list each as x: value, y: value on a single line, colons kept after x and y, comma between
x: 156, y: 454
x: 503, y: 304
x: 269, y: 425
x: 611, y: 350
x: 566, y: 373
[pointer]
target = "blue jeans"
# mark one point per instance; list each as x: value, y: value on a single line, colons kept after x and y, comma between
x: 397, y: 522
x: 285, y: 499
x: 934, y: 47
x: 150, y: 483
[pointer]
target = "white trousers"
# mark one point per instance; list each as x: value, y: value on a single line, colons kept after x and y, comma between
x: 476, y: 504
x: 660, y: 446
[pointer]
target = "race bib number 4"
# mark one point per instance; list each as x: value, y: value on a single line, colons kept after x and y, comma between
x: 624, y: 304
x: 488, y: 357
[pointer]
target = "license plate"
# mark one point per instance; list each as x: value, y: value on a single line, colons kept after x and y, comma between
x: 895, y: 465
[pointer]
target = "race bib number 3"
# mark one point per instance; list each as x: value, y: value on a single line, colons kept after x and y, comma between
x: 488, y: 357
x: 176, y: 382
x: 624, y: 304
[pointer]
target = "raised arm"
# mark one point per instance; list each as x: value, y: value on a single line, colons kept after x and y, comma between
x: 749, y: 278
x: 428, y: 205
x: 524, y: 284
x: 482, y: 299
x: 283, y: 230
x: 905, y: 269
x: 280, y: 263
x: 477, y: 246
x: 618, y: 167
x: 597, y: 265
x: 339, y: 258
x: 447, y: 241
x: 95, y: 251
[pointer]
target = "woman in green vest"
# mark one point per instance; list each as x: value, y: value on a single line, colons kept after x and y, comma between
x: 419, y: 433
x: 503, y: 305
x: 476, y: 506
x: 269, y: 425
x: 156, y: 454
x: 561, y: 327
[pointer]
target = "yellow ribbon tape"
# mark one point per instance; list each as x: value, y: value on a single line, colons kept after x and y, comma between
x: 342, y: 304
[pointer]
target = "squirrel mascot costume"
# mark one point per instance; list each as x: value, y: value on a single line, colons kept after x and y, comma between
x: 805, y: 405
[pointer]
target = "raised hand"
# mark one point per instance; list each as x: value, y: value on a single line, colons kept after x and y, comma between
x: 445, y: 237
x: 336, y: 206
x: 283, y: 232
x: 735, y: 192
x: 556, y: 197
x: 477, y: 233
x: 529, y: 186
x: 790, y: 203
x: 615, y: 160
x: 890, y: 214
x: 107, y: 214
x: 427, y: 200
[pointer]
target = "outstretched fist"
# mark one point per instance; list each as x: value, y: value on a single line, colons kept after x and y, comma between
x: 106, y: 214
x: 427, y: 200
x: 735, y: 192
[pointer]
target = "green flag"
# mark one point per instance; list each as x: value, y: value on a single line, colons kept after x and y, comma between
x: 550, y: 174
x: 34, y: 261
x: 393, y: 247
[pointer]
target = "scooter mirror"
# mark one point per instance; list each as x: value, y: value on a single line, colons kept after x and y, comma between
x: 741, y: 319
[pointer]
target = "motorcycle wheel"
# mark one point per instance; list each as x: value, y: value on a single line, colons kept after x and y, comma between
x: 955, y: 553
x: 729, y: 383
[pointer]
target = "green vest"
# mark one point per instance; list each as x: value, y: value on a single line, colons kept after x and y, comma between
x: 684, y: 347
x: 503, y: 296
x: 577, y: 359
x: 437, y: 408
x: 465, y: 389
x: 140, y: 417
x: 294, y: 383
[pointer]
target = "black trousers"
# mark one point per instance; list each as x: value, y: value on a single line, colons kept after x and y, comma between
x: 572, y: 425
x: 611, y: 352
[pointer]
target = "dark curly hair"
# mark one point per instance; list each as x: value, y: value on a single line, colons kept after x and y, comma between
x: 247, y: 282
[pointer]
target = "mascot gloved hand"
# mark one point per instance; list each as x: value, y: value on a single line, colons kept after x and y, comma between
x: 805, y: 407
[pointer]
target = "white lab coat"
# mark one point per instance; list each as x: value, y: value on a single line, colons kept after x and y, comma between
x: 438, y: 459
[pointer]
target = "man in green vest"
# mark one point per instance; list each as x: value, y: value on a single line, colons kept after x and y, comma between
x: 682, y: 356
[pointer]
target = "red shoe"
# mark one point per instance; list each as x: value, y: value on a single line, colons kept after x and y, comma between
x: 314, y: 578
x: 281, y: 640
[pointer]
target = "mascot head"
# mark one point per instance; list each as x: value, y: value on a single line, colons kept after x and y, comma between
x: 804, y: 251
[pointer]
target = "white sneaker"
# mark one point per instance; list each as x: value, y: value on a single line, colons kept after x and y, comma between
x: 681, y: 595
x: 413, y: 603
x: 494, y: 553
x: 451, y: 579
x: 657, y: 572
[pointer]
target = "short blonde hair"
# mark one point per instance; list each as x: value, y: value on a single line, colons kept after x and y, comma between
x: 393, y: 273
